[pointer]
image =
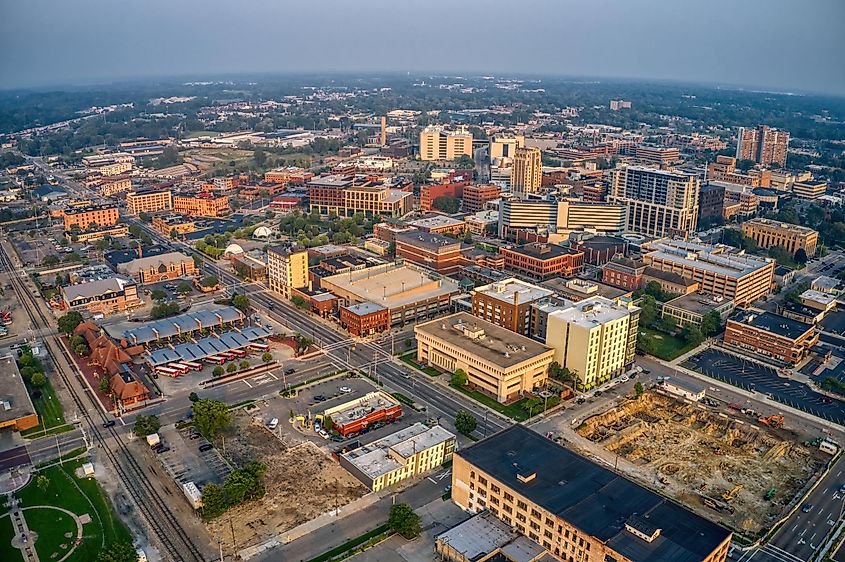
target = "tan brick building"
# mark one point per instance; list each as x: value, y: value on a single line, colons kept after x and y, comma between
x: 201, y: 204
x: 163, y: 267
x: 85, y: 217
x: 138, y: 202
x: 791, y: 237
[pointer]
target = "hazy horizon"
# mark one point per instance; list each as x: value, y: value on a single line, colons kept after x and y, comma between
x: 794, y: 46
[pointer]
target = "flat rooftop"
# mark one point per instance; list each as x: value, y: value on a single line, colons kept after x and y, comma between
x: 364, y: 308
x: 593, y: 498
x: 374, y: 459
x: 430, y: 241
x: 512, y: 289
x: 818, y: 296
x: 543, y: 251
x: 590, y: 312
x: 774, y: 323
x: 360, y: 407
x: 478, y: 536
x: 769, y: 223
x: 577, y: 288
x: 483, y: 339
x: 698, y: 304
x: 13, y: 391
x: 391, y: 285
x: 714, y: 259
x: 437, y: 221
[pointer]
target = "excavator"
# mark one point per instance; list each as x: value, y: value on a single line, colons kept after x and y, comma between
x: 728, y: 496
x: 775, y: 421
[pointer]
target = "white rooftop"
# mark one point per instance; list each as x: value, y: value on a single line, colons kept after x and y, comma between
x: 715, y: 259
x: 593, y: 311
x: 818, y: 296
x: 437, y: 221
x: 374, y: 459
x: 510, y: 290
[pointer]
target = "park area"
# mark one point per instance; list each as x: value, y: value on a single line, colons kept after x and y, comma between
x: 70, y: 516
x: 737, y: 473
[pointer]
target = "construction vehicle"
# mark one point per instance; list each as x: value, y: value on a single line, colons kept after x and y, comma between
x: 771, y: 493
x: 728, y: 496
x: 775, y: 421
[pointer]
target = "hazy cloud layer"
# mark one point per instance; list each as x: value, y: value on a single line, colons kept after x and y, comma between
x: 795, y: 45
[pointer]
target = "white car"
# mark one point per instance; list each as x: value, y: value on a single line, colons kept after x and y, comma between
x: 624, y: 378
x: 273, y: 423
x: 345, y: 389
x: 324, y: 434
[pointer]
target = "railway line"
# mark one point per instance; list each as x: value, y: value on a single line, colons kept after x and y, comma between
x: 160, y: 519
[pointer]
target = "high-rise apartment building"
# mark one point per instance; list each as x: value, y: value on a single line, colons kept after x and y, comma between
x: 594, y: 338
x: 507, y: 303
x: 763, y: 145
x: 287, y: 269
x: 527, y: 173
x: 437, y: 143
x: 659, y: 202
x: 148, y: 201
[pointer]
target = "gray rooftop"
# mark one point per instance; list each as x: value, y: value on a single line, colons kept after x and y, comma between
x: 374, y: 459
x: 147, y: 262
x: 508, y: 290
x: 478, y: 536
x: 697, y: 303
x: 206, y: 347
x: 427, y: 240
x: 364, y: 308
x: 483, y: 339
x: 13, y: 391
x: 96, y: 288
x: 187, y: 322
x: 714, y: 259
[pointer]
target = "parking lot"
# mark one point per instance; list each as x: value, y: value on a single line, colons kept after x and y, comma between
x: 184, y: 461
x: 765, y: 380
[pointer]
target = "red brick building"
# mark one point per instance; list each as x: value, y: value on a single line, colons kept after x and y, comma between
x: 364, y: 319
x: 772, y: 335
x: 321, y: 302
x: 542, y: 261
x: 433, y: 251
x: 477, y: 196
x: 452, y: 186
x: 623, y: 273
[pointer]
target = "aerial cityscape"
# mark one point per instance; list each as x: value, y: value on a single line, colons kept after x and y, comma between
x: 361, y: 281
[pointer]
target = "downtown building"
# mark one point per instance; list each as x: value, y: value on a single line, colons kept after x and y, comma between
x: 561, y: 217
x: 287, y: 269
x: 527, y: 172
x: 508, y: 303
x: 577, y: 509
x: 438, y: 143
x: 346, y: 195
x: 203, y: 204
x: 767, y: 233
x: 659, y: 202
x: 763, y: 145
x: 148, y: 201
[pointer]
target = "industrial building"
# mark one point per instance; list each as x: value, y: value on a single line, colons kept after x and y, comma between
x: 576, y: 508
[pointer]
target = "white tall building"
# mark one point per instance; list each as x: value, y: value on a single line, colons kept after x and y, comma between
x: 659, y: 202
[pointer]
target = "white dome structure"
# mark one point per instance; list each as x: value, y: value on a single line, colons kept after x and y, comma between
x: 233, y: 249
x: 262, y: 232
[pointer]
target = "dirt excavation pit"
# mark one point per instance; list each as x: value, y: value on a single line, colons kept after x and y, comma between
x: 698, y: 456
x: 302, y: 482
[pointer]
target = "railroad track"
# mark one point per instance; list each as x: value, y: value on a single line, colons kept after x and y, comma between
x: 153, y: 507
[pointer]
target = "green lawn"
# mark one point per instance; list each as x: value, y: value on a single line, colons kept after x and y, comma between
x: 7, y: 532
x: 513, y: 410
x: 372, y: 535
x: 79, y: 496
x: 667, y: 347
x: 49, y: 410
x: 409, y: 359
x: 52, y: 527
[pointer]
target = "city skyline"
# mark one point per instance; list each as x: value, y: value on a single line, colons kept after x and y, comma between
x: 648, y: 41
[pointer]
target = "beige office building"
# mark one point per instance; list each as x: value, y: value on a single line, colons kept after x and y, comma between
x: 148, y: 201
x: 527, y: 173
x: 659, y: 202
x: 591, y: 338
x: 791, y: 237
x: 741, y: 278
x: 505, y: 147
x: 287, y: 269
x: 497, y: 361
x: 437, y: 143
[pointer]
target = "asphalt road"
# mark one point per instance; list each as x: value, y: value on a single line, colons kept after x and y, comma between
x: 753, y: 376
x: 13, y: 457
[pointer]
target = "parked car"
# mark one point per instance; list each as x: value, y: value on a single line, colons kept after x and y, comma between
x: 320, y: 398
x: 206, y: 447
x: 290, y: 371
x: 109, y: 423
x: 273, y: 423
x: 345, y: 389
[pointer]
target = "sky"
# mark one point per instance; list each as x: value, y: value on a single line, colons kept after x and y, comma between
x: 781, y: 45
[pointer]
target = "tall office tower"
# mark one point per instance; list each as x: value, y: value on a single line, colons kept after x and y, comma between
x: 527, y: 174
x: 383, y: 130
x: 660, y: 202
x: 763, y: 145
x: 505, y: 147
x: 437, y: 143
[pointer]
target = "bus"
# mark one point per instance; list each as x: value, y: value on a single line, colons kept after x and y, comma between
x: 214, y: 359
x: 192, y: 365
x: 238, y: 352
x: 183, y: 369
x: 262, y: 347
x: 167, y: 371
x: 226, y: 354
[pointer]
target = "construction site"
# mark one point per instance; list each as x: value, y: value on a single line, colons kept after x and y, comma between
x: 741, y: 472
x: 302, y: 482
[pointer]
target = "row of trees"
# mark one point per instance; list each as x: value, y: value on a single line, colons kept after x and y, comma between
x: 242, y: 485
x: 233, y: 367
x: 31, y: 368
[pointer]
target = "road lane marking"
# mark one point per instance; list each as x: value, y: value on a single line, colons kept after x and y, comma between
x: 247, y: 383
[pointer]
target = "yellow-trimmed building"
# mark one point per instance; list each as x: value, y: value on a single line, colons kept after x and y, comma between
x: 287, y: 269
x: 791, y: 237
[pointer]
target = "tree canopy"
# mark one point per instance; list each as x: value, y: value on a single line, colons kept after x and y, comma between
x: 447, y: 204
x: 70, y: 321
x: 210, y: 417
x: 465, y: 422
x: 404, y: 521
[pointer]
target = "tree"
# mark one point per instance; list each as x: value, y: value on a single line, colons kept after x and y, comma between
x: 158, y: 294
x: 465, y: 422
x: 231, y: 367
x: 241, y: 302
x: 300, y: 302
x: 692, y: 334
x: 50, y: 260
x: 184, y: 288
x: 245, y: 484
x: 79, y: 345
x: 328, y: 423
x: 210, y: 417
x: 646, y: 344
x: 244, y: 364
x: 42, y: 482
x: 259, y: 157
x: 145, y: 217
x: 266, y: 357
x: 711, y: 323
x: 668, y: 324
x: 218, y: 371
x: 169, y: 156
x: 459, y: 378
x: 638, y: 389
x: 118, y: 552
x: 104, y: 384
x: 146, y: 425
x: 402, y: 520
x: 214, y: 502
x: 209, y: 281
x: 69, y: 322
x: 194, y: 397
x: 464, y: 162
x: 648, y: 313
x: 801, y: 256
x: 447, y: 204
